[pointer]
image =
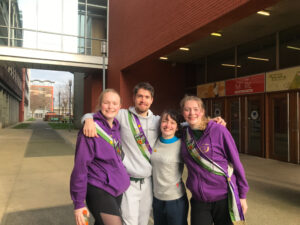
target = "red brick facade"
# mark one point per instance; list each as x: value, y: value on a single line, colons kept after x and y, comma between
x: 141, y: 31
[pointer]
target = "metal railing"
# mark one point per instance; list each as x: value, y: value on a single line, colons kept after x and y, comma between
x: 81, y: 49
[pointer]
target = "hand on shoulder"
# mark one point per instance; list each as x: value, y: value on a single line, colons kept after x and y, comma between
x: 89, y: 128
x: 219, y: 120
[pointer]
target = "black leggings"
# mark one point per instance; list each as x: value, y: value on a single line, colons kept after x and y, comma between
x: 99, y: 202
x: 208, y: 213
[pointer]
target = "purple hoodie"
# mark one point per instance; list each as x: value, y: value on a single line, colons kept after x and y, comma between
x: 97, y: 163
x: 208, y: 187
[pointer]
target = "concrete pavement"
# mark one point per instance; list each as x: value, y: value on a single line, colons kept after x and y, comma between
x: 35, y: 165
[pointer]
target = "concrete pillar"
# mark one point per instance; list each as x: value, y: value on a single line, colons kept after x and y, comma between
x: 78, y: 98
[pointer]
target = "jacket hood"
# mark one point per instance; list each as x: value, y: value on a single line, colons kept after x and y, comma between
x: 132, y: 109
x: 210, y: 125
x: 98, y: 116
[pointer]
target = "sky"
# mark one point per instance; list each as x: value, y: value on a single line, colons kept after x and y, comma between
x: 61, y: 78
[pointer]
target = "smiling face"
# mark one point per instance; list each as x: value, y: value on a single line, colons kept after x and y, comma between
x: 168, y: 126
x: 193, y: 113
x: 142, y: 101
x: 110, y: 105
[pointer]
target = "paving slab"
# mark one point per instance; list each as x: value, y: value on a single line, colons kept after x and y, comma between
x: 35, y: 167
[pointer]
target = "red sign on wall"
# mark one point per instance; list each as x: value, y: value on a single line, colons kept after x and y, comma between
x: 246, y: 85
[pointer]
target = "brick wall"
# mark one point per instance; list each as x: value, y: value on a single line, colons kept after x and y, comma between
x: 141, y: 31
x: 92, y: 90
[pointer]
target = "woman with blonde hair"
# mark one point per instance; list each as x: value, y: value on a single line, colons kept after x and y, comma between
x: 216, y: 176
x: 99, y: 176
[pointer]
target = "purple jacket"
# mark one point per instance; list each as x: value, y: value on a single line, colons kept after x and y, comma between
x: 208, y: 187
x: 97, y: 163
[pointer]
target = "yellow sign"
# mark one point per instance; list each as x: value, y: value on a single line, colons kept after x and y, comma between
x: 211, y: 90
x: 285, y: 79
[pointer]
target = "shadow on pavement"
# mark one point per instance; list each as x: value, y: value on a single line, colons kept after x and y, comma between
x: 62, y: 215
x: 282, y: 192
x: 47, y: 142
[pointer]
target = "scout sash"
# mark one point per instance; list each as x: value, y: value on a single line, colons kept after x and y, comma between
x: 139, y: 135
x: 235, y: 209
x: 114, y: 143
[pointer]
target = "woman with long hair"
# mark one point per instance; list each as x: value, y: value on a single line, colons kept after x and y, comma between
x: 216, y: 176
x: 99, y: 176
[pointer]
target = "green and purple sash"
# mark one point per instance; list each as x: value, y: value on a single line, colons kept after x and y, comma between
x: 235, y: 208
x: 139, y: 136
x: 114, y: 143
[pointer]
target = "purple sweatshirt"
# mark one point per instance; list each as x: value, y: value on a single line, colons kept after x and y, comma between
x: 208, y: 187
x: 97, y: 163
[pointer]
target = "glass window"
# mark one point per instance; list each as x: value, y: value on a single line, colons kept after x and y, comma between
x: 16, y: 37
x: 190, y: 76
x: 4, y: 12
x: 75, y: 26
x: 200, y: 71
x: 70, y: 16
x: 96, y: 26
x: 254, y: 118
x: 26, y: 10
x: 97, y: 2
x: 235, y: 121
x: 220, y: 66
x: 289, y: 47
x: 3, y: 36
x: 30, y: 39
x: 280, y: 140
x: 48, y: 20
x: 70, y: 44
x: 257, y: 56
x: 50, y: 42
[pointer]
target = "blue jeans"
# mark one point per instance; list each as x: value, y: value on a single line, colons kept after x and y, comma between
x: 173, y: 212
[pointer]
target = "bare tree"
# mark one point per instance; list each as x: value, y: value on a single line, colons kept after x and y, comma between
x: 64, y: 97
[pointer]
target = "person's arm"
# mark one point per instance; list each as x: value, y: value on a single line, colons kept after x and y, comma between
x: 219, y: 120
x: 79, y: 218
x: 244, y: 205
x: 89, y: 128
x: 78, y: 183
x: 86, y: 116
x: 233, y: 157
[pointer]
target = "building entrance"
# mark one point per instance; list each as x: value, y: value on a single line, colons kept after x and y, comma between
x: 234, y: 120
x: 278, y: 126
x: 254, y: 125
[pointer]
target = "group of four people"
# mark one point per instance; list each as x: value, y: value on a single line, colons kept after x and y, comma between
x: 122, y: 153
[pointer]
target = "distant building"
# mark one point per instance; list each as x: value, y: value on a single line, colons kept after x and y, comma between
x: 41, y: 100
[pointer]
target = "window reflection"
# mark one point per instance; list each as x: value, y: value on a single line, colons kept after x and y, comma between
x: 290, y: 47
x: 257, y: 56
x: 280, y: 127
x: 56, y: 25
x: 4, y: 12
x: 28, y: 14
x: 235, y: 121
x: 220, y: 66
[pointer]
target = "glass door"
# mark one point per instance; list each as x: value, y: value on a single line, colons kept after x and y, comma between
x: 217, y: 108
x: 255, y: 125
x: 234, y: 120
x: 278, y: 124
